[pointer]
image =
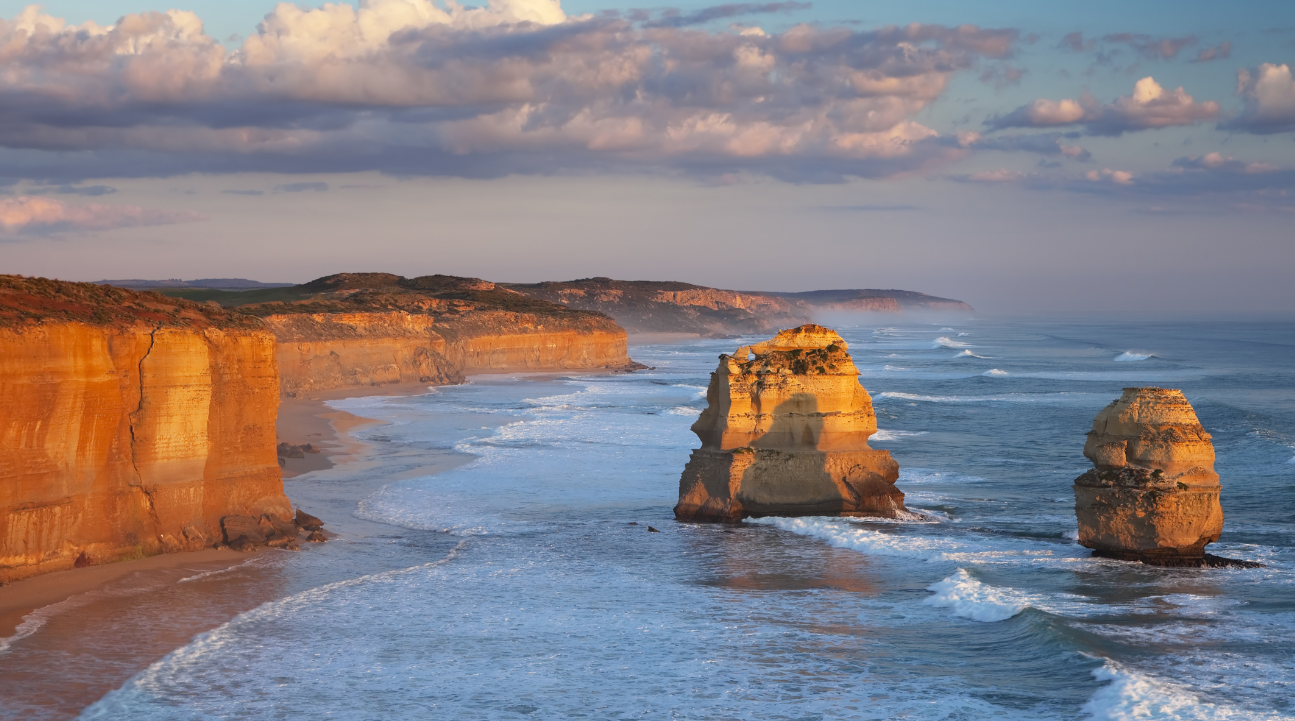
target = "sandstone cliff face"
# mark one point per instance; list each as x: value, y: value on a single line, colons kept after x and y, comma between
x: 130, y: 425
x: 319, y: 351
x: 370, y: 329
x: 785, y: 432
x: 1153, y: 494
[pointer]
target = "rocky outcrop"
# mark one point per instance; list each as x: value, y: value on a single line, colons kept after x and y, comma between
x: 131, y: 424
x: 671, y: 307
x: 321, y: 351
x: 372, y: 329
x: 1153, y: 495
x: 785, y: 432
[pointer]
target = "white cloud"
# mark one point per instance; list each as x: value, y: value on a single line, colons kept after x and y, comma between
x: 414, y: 86
x: 1269, y: 95
x: 1149, y: 106
x: 1106, y: 175
x: 35, y: 214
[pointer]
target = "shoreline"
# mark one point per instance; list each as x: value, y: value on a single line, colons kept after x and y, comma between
x: 300, y: 420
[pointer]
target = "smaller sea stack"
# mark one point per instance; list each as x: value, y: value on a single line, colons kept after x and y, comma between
x: 1153, y: 495
x: 785, y: 432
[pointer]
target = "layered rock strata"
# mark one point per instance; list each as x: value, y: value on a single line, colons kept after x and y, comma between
x: 131, y: 424
x: 785, y: 432
x: 372, y: 329
x: 1153, y: 495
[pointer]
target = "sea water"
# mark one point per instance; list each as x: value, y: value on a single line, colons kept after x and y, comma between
x: 526, y: 583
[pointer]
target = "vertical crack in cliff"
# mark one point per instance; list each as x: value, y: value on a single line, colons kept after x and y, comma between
x: 139, y: 408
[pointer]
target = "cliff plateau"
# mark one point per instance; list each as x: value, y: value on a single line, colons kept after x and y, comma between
x: 1153, y: 495
x: 785, y: 432
x: 131, y: 424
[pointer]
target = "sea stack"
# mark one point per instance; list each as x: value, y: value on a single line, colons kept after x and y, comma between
x: 1153, y: 495
x: 785, y: 432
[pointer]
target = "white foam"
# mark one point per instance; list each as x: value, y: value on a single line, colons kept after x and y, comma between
x: 961, y: 335
x: 994, y: 372
x: 969, y: 354
x: 885, y: 435
x: 946, y: 342
x: 1072, y: 534
x: 1130, y: 695
x: 1063, y: 397
x: 1129, y: 356
x: 969, y: 598
x: 684, y: 411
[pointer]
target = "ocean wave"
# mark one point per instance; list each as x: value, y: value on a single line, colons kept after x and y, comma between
x: 1130, y: 695
x: 885, y: 435
x: 684, y: 411
x: 1062, y: 397
x: 1129, y: 356
x: 968, y: 354
x: 973, y: 549
x: 924, y: 475
x: 993, y: 372
x: 946, y: 342
x: 969, y: 598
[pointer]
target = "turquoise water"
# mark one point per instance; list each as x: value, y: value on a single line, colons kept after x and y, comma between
x: 525, y: 584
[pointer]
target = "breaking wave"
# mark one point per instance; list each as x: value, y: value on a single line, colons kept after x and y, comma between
x: 969, y: 598
x: 1130, y: 695
x: 994, y: 372
x: 969, y: 354
x: 1129, y: 356
x: 945, y: 342
x: 885, y: 435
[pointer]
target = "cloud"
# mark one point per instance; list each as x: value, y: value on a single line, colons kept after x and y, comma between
x: 1269, y: 95
x: 1222, y: 51
x: 1049, y: 144
x: 1106, y: 175
x: 86, y: 190
x: 301, y: 188
x: 37, y: 215
x: 1149, y: 106
x: 1151, y: 47
x: 673, y: 19
x: 243, y: 192
x: 410, y: 87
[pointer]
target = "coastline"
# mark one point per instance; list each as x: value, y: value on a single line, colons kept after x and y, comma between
x: 307, y: 420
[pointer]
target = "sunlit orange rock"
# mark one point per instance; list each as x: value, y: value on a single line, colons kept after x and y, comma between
x: 130, y: 424
x: 1153, y: 495
x: 785, y: 432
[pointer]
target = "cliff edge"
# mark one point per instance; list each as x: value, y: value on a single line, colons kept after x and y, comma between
x: 785, y: 432
x: 131, y: 424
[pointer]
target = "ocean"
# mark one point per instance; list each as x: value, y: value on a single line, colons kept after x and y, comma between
x: 525, y: 582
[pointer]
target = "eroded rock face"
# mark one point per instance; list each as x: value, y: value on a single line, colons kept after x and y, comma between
x: 786, y: 432
x: 1153, y: 495
x: 130, y: 424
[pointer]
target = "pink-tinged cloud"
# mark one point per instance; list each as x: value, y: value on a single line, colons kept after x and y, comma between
x: 1269, y: 95
x: 1149, y: 106
x: 37, y: 215
x: 414, y: 87
x: 1106, y: 175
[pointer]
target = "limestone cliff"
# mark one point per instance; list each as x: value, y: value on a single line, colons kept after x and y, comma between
x: 370, y: 329
x: 671, y: 307
x: 1153, y: 495
x: 130, y: 424
x: 785, y: 432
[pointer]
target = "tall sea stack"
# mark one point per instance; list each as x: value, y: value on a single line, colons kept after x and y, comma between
x: 785, y: 432
x: 1153, y: 495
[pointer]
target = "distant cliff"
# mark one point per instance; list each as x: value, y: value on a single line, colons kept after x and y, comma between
x: 670, y: 307
x: 370, y: 329
x: 130, y: 424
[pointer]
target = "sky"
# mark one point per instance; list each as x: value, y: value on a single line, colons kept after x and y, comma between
x: 1101, y: 158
